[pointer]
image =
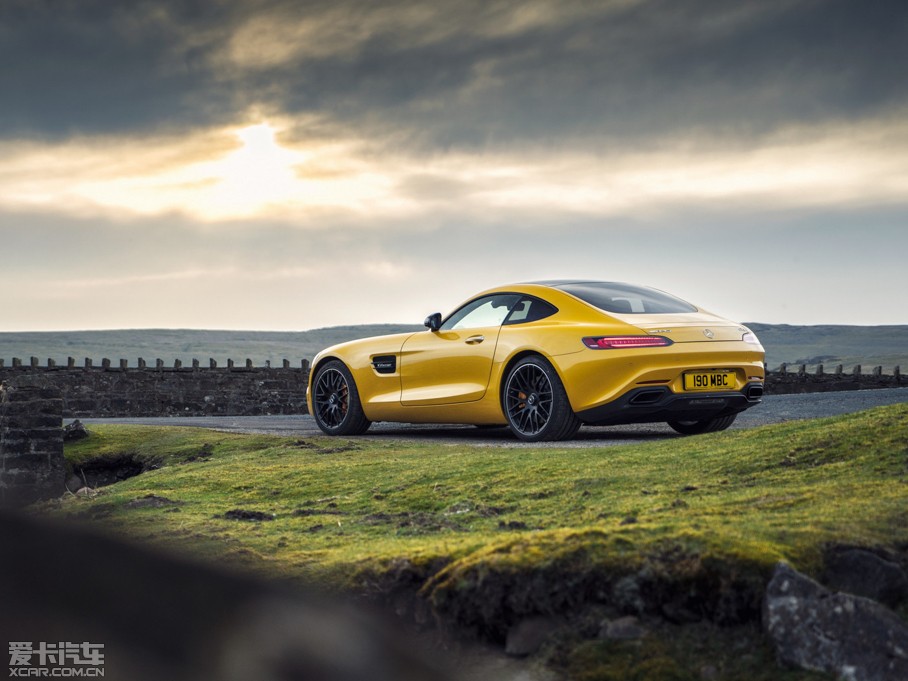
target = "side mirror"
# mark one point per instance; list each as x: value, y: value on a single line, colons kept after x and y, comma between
x: 433, y: 321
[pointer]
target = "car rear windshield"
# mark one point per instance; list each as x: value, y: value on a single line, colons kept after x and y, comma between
x: 626, y: 299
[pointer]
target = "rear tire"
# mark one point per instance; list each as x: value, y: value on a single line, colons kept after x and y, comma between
x: 704, y: 426
x: 535, y: 402
x: 336, y: 406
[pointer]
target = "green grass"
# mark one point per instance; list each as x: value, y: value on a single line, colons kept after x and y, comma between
x: 491, y: 533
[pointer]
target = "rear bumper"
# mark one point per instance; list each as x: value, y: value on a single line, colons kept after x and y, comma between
x: 658, y: 403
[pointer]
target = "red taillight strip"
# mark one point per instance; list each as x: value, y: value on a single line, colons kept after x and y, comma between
x: 615, y: 342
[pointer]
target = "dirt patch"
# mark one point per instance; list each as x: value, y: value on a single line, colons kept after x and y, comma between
x: 512, y: 525
x: 492, y: 511
x: 322, y: 449
x: 306, y: 512
x: 152, y: 501
x: 410, y: 523
x: 243, y: 514
x: 339, y: 449
x: 96, y: 511
x: 103, y: 471
x: 203, y: 454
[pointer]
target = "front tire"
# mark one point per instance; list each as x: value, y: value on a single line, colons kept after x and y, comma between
x: 704, y: 426
x: 536, y: 404
x: 336, y: 406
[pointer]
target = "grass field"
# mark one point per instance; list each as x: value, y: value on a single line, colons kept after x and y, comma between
x: 486, y: 535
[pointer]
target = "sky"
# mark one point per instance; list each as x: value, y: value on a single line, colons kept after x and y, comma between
x: 277, y: 165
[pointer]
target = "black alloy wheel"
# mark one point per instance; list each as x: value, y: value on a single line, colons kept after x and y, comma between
x: 335, y: 401
x: 704, y: 426
x: 536, y: 404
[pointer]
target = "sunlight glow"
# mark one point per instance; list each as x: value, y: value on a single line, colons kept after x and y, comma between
x: 241, y: 183
x: 249, y: 172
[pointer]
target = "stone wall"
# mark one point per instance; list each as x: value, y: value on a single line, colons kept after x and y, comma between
x: 108, y: 390
x: 31, y: 444
x: 788, y: 380
x: 111, y: 390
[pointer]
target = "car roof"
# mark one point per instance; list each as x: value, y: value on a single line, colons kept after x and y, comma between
x: 552, y: 283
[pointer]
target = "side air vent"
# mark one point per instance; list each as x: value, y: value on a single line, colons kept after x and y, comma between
x: 384, y: 364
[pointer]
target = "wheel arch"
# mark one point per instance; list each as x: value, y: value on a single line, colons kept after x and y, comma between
x: 322, y: 362
x: 313, y: 370
x: 527, y: 352
x: 354, y: 421
x: 561, y: 422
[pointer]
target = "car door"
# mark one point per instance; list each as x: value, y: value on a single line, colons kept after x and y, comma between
x: 453, y: 364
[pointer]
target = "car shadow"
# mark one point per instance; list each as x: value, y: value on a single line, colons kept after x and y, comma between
x: 502, y: 435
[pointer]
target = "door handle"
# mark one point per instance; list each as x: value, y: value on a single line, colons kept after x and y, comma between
x: 473, y: 340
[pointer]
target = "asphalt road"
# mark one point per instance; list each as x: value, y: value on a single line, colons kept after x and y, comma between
x: 774, y: 409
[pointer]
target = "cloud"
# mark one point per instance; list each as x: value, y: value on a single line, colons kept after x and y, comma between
x: 268, y: 164
x: 240, y: 173
x: 763, y: 263
x: 478, y: 74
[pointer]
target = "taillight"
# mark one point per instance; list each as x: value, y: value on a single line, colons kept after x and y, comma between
x: 750, y: 337
x: 615, y: 342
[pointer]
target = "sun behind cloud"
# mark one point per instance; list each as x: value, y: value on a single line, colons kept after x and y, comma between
x: 258, y: 174
x: 216, y: 175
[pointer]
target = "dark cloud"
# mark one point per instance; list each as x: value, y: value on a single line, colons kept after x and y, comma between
x: 95, y: 66
x: 453, y: 74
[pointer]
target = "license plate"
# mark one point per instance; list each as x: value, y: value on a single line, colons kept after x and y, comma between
x: 709, y: 380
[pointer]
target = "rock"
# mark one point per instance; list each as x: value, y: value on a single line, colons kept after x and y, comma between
x: 862, y: 573
x: 74, y: 431
x: 459, y: 508
x: 527, y: 636
x: 74, y: 482
x: 622, y: 629
x: 709, y: 672
x: 813, y: 628
x: 680, y: 611
x: 627, y: 596
x: 588, y: 622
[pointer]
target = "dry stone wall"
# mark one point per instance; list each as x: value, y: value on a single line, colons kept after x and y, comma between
x: 31, y: 444
x: 242, y: 389
x: 109, y: 390
x: 797, y: 379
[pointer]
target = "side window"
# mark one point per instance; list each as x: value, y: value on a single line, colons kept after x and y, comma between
x: 482, y: 312
x: 530, y: 310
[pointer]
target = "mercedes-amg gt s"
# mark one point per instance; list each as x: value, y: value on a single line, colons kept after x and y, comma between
x: 543, y: 359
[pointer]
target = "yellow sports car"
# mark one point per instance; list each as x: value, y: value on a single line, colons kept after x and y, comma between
x: 544, y: 358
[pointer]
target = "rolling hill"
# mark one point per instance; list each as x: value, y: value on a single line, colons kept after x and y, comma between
x: 811, y: 345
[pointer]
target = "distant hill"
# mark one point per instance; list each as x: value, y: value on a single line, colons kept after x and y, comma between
x: 834, y: 344
x: 811, y: 345
x: 184, y: 344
